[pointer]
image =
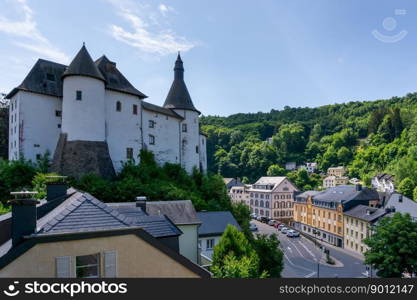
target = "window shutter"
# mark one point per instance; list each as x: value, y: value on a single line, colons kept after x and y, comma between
x: 110, y: 264
x: 63, y: 267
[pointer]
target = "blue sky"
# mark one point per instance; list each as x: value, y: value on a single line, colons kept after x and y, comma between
x: 239, y: 56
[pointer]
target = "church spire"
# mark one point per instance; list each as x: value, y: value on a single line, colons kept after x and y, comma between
x: 178, y: 96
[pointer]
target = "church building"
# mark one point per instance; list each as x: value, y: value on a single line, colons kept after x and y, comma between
x: 91, y: 119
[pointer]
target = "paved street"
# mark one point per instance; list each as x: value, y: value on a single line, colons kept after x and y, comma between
x: 301, y: 256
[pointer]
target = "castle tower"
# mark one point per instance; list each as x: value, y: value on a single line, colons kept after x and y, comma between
x: 82, y: 146
x: 179, y: 100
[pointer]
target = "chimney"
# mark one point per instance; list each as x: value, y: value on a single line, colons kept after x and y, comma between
x: 368, y: 212
x: 23, y: 215
x: 358, y: 187
x: 56, y: 187
x: 141, y: 202
x: 400, y: 198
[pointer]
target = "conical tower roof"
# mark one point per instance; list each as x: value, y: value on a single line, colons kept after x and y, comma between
x: 178, y: 96
x: 83, y: 65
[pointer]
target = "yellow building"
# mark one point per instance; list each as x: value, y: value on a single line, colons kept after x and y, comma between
x: 336, y: 171
x: 320, y: 214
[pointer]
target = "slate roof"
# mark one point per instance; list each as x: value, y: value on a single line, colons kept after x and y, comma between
x: 214, y: 223
x: 361, y: 212
x: 406, y: 206
x: 178, y: 95
x: 157, y: 226
x: 37, y: 80
x: 346, y: 193
x: 114, y: 79
x: 161, y: 110
x: 181, y: 212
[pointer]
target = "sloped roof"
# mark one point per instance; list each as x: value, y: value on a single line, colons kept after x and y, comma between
x: 363, y: 212
x: 270, y: 180
x: 214, y: 223
x: 178, y: 95
x: 181, y: 212
x: 346, y: 193
x: 114, y: 79
x: 83, y: 65
x: 161, y: 110
x: 406, y: 205
x: 39, y: 79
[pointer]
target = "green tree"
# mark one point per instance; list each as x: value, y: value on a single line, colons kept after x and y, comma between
x: 270, y: 256
x: 246, y: 267
x: 344, y: 155
x: 241, y: 213
x: 276, y: 170
x: 415, y: 194
x: 406, y: 187
x: 393, y: 246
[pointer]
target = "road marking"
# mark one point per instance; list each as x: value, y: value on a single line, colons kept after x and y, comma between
x: 289, y: 249
x: 296, y: 248
x: 310, y: 275
x: 308, y: 250
x: 296, y: 266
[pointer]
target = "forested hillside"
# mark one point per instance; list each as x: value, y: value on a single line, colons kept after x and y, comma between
x: 368, y: 137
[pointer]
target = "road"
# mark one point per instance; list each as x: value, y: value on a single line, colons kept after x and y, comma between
x: 301, y: 256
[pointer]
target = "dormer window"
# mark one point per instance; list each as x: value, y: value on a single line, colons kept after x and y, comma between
x: 118, y: 106
x: 50, y: 77
x: 79, y: 95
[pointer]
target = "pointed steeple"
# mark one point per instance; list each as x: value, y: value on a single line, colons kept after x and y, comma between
x: 83, y: 65
x: 178, y: 96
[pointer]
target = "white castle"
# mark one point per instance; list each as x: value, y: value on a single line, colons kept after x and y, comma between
x: 92, y: 120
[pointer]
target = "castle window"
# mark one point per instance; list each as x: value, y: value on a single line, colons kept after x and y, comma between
x: 79, y: 95
x: 151, y: 124
x: 59, y: 125
x: 135, y: 109
x: 58, y: 113
x: 38, y: 156
x: 184, y: 127
x: 129, y: 153
x: 151, y: 139
x: 118, y: 106
x: 196, y: 149
x: 50, y: 77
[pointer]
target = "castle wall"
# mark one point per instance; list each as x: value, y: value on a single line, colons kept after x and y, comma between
x: 203, y: 152
x: 122, y: 127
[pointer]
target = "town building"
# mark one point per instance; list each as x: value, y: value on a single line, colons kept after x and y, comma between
x: 91, y: 119
x: 336, y: 171
x: 358, y: 223
x: 231, y: 182
x: 402, y: 204
x: 71, y: 234
x: 240, y: 194
x: 213, y: 225
x: 332, y: 181
x: 310, y: 167
x: 182, y: 213
x: 273, y: 197
x: 291, y: 166
x: 384, y: 183
x: 320, y: 214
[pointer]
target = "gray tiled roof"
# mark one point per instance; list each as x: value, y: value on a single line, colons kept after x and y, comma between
x: 83, y: 64
x: 181, y: 212
x: 114, y: 79
x: 363, y: 212
x: 405, y: 206
x: 159, y: 109
x: 215, y: 222
x: 346, y: 193
x: 157, y: 226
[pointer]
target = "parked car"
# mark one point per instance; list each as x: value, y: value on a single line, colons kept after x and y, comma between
x: 280, y: 226
x: 276, y: 225
x: 272, y: 222
x: 293, y: 233
x: 259, y: 218
x: 253, y: 227
x: 265, y: 220
x: 284, y: 230
x: 253, y: 215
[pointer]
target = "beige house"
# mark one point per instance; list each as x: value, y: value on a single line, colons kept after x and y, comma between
x: 273, y: 197
x: 358, y: 222
x: 240, y: 194
x: 71, y: 234
x: 332, y: 181
x: 336, y: 171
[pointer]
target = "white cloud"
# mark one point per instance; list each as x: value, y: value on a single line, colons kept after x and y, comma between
x: 164, y: 9
x: 147, y: 34
x: 27, y: 28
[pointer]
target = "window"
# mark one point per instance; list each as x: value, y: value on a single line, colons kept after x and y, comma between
x: 118, y: 106
x: 184, y: 127
x: 151, y: 124
x: 87, y: 266
x: 79, y: 95
x: 58, y: 113
x: 59, y: 126
x: 38, y: 156
x: 209, y: 244
x: 135, y: 109
x: 151, y: 139
x: 129, y: 153
x: 196, y: 149
x: 50, y: 76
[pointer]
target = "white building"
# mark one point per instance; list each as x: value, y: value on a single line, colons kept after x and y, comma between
x: 383, y: 183
x: 240, y: 194
x: 332, y: 181
x: 91, y: 119
x: 310, y: 167
x: 291, y: 166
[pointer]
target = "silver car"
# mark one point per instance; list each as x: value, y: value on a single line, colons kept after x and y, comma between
x: 284, y: 230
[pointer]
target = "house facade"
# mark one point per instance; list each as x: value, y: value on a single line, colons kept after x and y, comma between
x: 91, y: 107
x: 332, y: 181
x: 240, y: 194
x: 384, y: 183
x: 273, y: 197
x: 336, y: 171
